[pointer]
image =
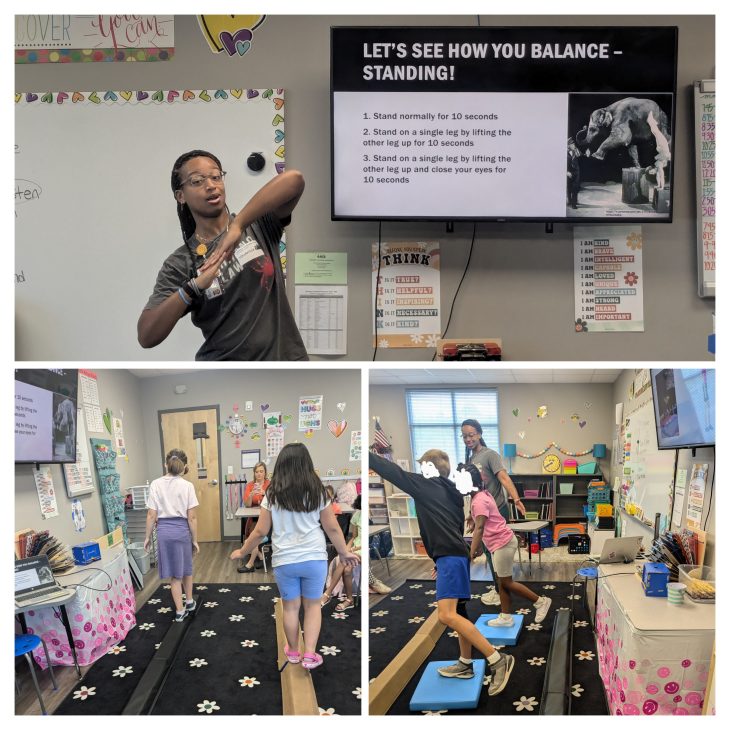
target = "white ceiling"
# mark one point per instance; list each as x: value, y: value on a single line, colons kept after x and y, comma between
x: 490, y: 376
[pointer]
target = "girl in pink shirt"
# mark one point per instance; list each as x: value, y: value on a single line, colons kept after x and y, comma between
x: 491, y: 531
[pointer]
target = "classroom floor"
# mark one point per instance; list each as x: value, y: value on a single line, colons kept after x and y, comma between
x: 212, y: 565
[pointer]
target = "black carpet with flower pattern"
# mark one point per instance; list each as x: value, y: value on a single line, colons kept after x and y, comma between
x: 227, y: 662
x: 394, y: 620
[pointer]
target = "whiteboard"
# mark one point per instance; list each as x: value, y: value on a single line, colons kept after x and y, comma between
x: 648, y: 472
x: 705, y: 140
x: 95, y: 216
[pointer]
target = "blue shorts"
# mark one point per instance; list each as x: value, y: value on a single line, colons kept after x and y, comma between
x: 452, y: 577
x: 304, y: 580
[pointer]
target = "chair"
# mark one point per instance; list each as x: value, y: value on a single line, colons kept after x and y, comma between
x: 25, y: 644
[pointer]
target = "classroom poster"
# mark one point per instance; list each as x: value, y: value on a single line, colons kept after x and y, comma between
x: 89, y: 390
x: 406, y: 285
x: 46, y: 492
x: 274, y: 441
x: 310, y: 412
x: 321, y: 316
x: 696, y: 498
x: 609, y: 280
x: 78, y: 476
x: 679, y: 490
x: 355, y: 445
x: 271, y: 419
x: 118, y: 433
x: 91, y: 38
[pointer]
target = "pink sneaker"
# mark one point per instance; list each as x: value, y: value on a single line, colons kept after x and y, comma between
x: 293, y: 657
x: 311, y: 661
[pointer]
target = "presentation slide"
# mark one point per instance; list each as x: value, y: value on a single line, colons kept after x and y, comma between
x: 502, y: 123
x: 684, y: 403
x: 33, y: 423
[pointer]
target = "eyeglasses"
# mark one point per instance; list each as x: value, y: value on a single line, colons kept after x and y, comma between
x: 195, y: 181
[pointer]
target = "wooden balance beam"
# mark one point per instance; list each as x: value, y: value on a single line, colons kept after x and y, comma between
x: 386, y: 687
x: 297, y: 690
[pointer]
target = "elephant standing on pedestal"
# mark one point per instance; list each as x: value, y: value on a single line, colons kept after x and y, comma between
x: 625, y: 122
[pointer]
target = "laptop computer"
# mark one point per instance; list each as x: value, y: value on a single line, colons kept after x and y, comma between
x: 619, y: 550
x: 34, y: 582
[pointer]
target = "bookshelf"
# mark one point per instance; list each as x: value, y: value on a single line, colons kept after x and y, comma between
x: 377, y: 504
x: 559, y: 498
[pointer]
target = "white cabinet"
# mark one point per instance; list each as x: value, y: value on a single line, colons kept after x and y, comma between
x: 404, y: 526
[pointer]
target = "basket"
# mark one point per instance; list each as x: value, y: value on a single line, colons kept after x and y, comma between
x: 700, y: 582
x: 566, y: 488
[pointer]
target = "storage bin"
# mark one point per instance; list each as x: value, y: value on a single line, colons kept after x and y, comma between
x: 700, y: 582
x: 140, y: 555
x: 531, y: 493
x: 566, y: 488
x: 570, y: 466
x: 589, y: 467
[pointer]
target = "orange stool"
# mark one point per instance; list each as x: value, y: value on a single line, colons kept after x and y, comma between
x: 567, y: 528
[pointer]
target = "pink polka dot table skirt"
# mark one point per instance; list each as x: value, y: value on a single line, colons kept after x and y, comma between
x: 99, y: 618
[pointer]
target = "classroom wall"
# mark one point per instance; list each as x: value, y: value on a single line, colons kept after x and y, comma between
x: 388, y: 403
x: 281, y: 389
x: 622, y: 389
x: 520, y: 283
x: 119, y: 391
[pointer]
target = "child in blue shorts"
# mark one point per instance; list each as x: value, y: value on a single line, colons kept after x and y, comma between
x: 440, y: 513
x: 296, y: 506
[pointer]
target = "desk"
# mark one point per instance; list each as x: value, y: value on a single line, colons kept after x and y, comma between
x: 59, y: 603
x: 97, y: 619
x: 528, y: 527
x: 376, y: 530
x: 653, y: 658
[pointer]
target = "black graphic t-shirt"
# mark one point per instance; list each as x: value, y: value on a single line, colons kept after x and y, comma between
x: 244, y: 314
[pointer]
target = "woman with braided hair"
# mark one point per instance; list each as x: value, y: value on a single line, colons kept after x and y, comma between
x: 228, y: 273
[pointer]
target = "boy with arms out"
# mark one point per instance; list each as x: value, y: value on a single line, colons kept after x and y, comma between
x: 440, y: 513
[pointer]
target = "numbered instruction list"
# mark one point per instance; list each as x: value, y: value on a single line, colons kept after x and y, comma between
x: 455, y: 154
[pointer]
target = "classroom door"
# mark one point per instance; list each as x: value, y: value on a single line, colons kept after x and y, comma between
x: 196, y: 433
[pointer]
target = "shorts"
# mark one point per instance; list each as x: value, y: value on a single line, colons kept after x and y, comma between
x: 503, y: 558
x: 305, y: 580
x: 452, y: 577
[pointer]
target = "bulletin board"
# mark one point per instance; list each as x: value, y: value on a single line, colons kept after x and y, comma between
x: 648, y: 473
x: 705, y: 140
x: 95, y: 216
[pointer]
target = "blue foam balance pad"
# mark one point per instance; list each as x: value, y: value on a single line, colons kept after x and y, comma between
x: 435, y: 692
x: 500, y: 635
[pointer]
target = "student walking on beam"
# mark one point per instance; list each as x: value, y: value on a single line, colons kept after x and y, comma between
x: 440, y: 514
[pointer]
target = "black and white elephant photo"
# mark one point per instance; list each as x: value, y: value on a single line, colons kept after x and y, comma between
x: 624, y: 149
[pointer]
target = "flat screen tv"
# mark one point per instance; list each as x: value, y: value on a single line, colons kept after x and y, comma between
x: 684, y: 407
x: 45, y: 416
x: 546, y: 124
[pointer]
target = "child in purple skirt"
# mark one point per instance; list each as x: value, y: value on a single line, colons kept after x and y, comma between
x: 296, y: 505
x: 172, y: 505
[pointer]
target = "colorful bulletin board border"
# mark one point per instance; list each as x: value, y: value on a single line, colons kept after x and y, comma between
x: 93, y: 38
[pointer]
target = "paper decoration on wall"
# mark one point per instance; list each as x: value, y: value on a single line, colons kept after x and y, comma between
x: 77, y: 515
x: 542, y: 412
x: 255, y: 436
x: 582, y: 424
x: 90, y: 38
x: 337, y: 429
x: 232, y: 34
x: 287, y: 419
x: 522, y: 434
x: 355, y: 445
x: 310, y: 412
x: 330, y: 473
x: 309, y: 433
x: 46, y: 492
x: 529, y: 419
x: 575, y: 417
x: 264, y: 407
x: 515, y: 412
x: 274, y: 441
x: 271, y: 419
x: 341, y: 406
x: 107, y: 418
x: 553, y: 445
x: 587, y: 405
x: 78, y: 476
x: 345, y: 472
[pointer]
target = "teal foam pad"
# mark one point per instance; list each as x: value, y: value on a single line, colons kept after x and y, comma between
x: 435, y: 692
x: 500, y: 635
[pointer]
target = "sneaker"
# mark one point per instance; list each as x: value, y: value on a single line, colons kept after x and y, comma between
x: 458, y: 670
x: 500, y: 674
x: 190, y: 606
x: 379, y: 587
x: 244, y: 569
x: 504, y: 620
x: 491, y: 598
x: 542, y: 606
x: 180, y: 617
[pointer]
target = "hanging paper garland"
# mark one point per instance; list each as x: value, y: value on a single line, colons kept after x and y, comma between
x: 553, y: 445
